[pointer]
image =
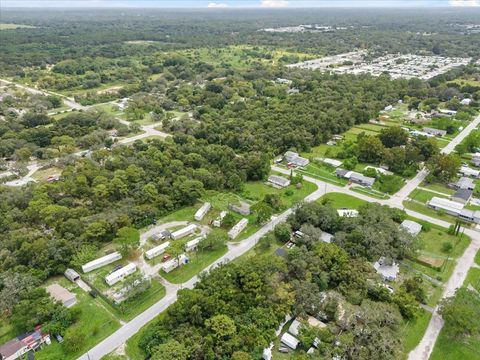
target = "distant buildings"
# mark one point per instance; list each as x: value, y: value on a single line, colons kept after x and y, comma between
x: 278, y: 181
x: 62, y: 295
x: 294, y: 159
x: 100, y: 262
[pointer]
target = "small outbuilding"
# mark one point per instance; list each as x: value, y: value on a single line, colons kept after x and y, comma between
x: 289, y: 340
x: 72, y: 275
x: 278, y: 181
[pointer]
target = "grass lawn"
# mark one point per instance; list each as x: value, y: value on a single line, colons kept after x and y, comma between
x: 95, y: 322
x: 438, y: 187
x: 477, y: 258
x: 323, y: 173
x: 339, y: 201
x: 15, y: 26
x: 370, y: 192
x: 423, y: 209
x: 198, y: 261
x: 473, y: 278
x: 424, y: 196
x: 413, y: 331
x: 6, y: 332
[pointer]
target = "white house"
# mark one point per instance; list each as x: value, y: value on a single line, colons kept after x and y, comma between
x: 278, y: 181
x: 218, y: 221
x: 157, y: 250
x: 202, y: 211
x: 98, y: 263
x: 295, y: 159
x: 289, y: 340
x: 412, y: 227
x: 388, y: 272
x: 120, y: 274
x: 332, y: 162
x: 172, y: 264
x: 238, y: 228
x: 192, y: 244
x: 187, y: 230
x: 466, y: 171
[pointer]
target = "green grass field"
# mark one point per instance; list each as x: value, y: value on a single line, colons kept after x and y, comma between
x: 15, y: 26
x: 339, y: 201
x: 323, y: 173
x: 423, y: 209
x: 370, y: 192
x: 424, y: 196
x: 438, y: 187
x: 477, y: 258
x: 413, y: 331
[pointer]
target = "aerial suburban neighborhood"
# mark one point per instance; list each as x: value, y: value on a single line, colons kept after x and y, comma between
x: 245, y: 180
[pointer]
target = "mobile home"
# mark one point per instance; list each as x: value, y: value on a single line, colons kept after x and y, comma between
x: 120, y: 274
x: 100, y: 262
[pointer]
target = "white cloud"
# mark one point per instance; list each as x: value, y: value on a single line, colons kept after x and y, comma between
x: 464, y: 2
x: 214, y: 5
x: 274, y: 3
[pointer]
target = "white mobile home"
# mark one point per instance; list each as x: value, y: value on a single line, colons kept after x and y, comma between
x: 238, y: 228
x: 120, y: 274
x: 187, y: 230
x: 202, y: 211
x: 172, y: 264
x: 158, y: 250
x: 289, y: 340
x: 98, y: 263
x: 218, y: 221
x: 192, y: 244
x: 450, y: 207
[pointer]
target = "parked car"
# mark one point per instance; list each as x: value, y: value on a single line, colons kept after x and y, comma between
x: 166, y: 257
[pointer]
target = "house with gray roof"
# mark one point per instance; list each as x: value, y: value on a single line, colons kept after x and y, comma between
x: 388, y: 271
x: 412, y: 227
x: 465, y: 183
x: 462, y: 196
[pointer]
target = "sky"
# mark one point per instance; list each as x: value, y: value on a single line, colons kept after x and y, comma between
x: 227, y: 4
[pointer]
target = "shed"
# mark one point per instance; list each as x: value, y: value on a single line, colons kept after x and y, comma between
x: 289, y: 340
x: 62, y: 295
x: 100, y: 262
x: 187, y: 230
x: 412, y: 227
x: 120, y: 274
x: 157, y: 250
x: 71, y: 275
x: 202, y: 211
x: 218, y: 221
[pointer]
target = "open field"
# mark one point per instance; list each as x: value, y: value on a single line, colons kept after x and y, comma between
x: 15, y: 26
x: 339, y: 201
x: 413, y: 331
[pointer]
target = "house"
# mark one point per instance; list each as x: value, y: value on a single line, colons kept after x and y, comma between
x: 192, y: 244
x: 71, y: 275
x: 447, y: 112
x: 278, y: 181
x: 331, y: 162
x: 289, y: 340
x: 435, y: 132
x: 218, y: 221
x: 120, y: 274
x: 242, y: 208
x: 476, y: 159
x: 62, y: 295
x: 470, y: 215
x: 355, y: 177
x: 347, y: 212
x: 100, y: 262
x: 466, y: 171
x: 162, y: 235
x: 412, y: 227
x: 294, y: 328
x: 466, y: 101
x: 379, y: 170
x: 387, y: 271
x: 172, y: 264
x: 202, y: 211
x: 157, y: 250
x: 450, y: 207
x: 292, y: 158
x: 187, y: 230
x: 19, y: 346
x: 238, y: 228
x: 462, y: 196
x: 465, y: 183
x: 420, y: 133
